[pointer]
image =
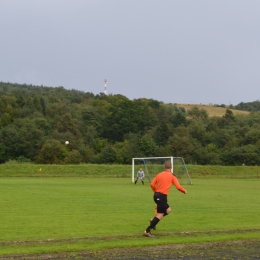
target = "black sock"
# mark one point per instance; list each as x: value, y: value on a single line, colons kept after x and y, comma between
x: 154, y: 222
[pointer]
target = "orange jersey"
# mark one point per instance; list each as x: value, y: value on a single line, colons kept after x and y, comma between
x: 163, y: 182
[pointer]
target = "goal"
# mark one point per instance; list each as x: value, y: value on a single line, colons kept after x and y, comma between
x: 153, y: 165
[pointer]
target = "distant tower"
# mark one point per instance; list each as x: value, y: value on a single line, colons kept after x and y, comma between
x: 105, y: 87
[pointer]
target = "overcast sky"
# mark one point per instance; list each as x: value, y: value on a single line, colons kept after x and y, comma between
x: 175, y: 51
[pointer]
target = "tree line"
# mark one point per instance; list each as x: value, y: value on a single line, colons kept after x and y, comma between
x: 35, y: 122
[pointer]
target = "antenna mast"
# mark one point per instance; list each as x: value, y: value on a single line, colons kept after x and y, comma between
x: 105, y: 87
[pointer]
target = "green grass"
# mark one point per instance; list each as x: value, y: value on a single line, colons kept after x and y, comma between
x: 121, y: 171
x: 83, y: 170
x: 44, y: 215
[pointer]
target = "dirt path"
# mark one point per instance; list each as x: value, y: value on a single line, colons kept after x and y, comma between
x: 200, y: 251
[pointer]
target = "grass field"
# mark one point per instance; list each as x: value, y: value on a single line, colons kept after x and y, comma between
x: 120, y: 171
x: 48, y: 215
x: 213, y: 110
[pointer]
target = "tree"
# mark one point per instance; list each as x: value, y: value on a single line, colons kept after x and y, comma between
x: 252, y: 136
x: 29, y: 103
x: 122, y: 120
x: 147, y: 145
x: 10, y: 143
x: 100, y: 144
x: 180, y: 147
x: 42, y: 123
x: 21, y: 138
x: 161, y: 134
x: 66, y: 124
x: 226, y: 139
x: 43, y: 106
x: 197, y: 130
x: 132, y: 146
x: 21, y: 99
x: 122, y: 155
x: 196, y: 113
x: 229, y: 115
x: 89, y: 155
x: 73, y: 157
x: 161, y: 151
x: 52, y: 152
x: 90, y: 136
x: 203, y: 157
x: 211, y: 148
x: 108, y: 154
x: 178, y: 119
x: 32, y: 115
x: 247, y: 154
x: 227, y: 119
x: 5, y: 119
x: 10, y: 110
x: 66, y: 136
x: 180, y: 144
x: 126, y: 116
x: 36, y: 103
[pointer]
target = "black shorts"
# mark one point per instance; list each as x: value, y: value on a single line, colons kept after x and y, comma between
x: 161, y: 202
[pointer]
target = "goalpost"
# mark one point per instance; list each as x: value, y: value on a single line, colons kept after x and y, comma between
x: 153, y: 165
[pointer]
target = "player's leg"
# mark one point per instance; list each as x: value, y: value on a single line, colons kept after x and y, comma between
x: 155, y: 213
x: 162, y: 209
x: 154, y: 222
x: 168, y: 211
x: 161, y: 201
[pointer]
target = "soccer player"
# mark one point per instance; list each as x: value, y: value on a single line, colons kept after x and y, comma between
x: 161, y: 185
x: 140, y: 176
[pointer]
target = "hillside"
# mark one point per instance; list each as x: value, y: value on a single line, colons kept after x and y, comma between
x: 214, y: 110
x: 36, y: 122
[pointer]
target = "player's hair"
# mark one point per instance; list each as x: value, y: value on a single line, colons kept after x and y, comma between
x: 168, y: 165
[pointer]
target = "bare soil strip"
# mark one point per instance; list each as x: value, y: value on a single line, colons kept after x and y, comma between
x: 225, y: 250
x: 70, y: 240
x: 249, y: 249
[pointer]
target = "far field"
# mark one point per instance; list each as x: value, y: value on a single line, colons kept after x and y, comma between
x: 121, y: 171
x: 213, y: 110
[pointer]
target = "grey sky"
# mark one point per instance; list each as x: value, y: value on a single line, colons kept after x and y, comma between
x: 175, y: 51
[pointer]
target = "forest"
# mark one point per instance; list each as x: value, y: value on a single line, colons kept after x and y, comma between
x: 36, y: 121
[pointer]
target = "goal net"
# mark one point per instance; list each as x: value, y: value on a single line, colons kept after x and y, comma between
x: 153, y: 165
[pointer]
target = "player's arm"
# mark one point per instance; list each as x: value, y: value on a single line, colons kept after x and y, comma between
x: 153, y: 184
x: 177, y: 185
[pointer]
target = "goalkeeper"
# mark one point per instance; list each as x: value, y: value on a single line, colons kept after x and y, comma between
x: 161, y: 185
x: 140, y: 176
